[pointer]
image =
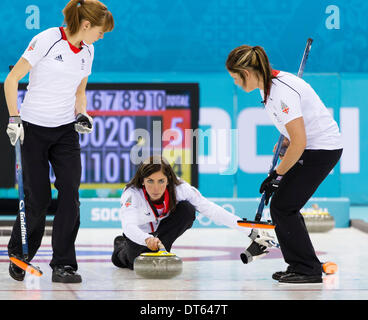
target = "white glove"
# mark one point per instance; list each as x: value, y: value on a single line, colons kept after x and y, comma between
x: 253, y: 252
x: 84, y: 123
x: 15, y: 130
x: 263, y: 238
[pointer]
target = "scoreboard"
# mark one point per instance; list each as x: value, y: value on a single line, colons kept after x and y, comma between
x: 133, y: 121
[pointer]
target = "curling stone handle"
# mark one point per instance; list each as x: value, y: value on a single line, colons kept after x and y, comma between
x: 161, y: 247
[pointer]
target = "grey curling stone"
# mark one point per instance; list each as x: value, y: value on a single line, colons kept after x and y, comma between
x: 319, y: 222
x: 158, y: 266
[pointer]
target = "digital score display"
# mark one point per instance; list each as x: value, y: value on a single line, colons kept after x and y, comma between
x: 132, y: 122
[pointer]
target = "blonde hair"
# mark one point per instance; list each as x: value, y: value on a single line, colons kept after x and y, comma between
x: 93, y: 11
x: 251, y: 58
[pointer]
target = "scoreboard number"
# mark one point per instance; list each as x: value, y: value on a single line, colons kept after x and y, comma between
x: 119, y: 110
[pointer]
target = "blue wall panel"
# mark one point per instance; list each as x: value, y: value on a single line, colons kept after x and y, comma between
x: 188, y: 40
x: 196, y: 36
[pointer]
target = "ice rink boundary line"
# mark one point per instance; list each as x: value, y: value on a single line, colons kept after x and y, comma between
x: 304, y: 289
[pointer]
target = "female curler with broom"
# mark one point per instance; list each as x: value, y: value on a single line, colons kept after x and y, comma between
x: 59, y: 61
x: 314, y: 148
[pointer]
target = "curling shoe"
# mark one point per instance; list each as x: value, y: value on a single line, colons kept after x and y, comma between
x: 277, y: 275
x: 16, y: 273
x: 119, y: 244
x: 298, y: 278
x: 65, y: 274
x: 327, y: 268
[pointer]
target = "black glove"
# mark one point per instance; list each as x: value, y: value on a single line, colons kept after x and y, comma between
x: 83, y: 123
x: 270, y: 185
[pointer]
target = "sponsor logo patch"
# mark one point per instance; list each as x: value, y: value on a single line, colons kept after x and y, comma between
x: 59, y: 58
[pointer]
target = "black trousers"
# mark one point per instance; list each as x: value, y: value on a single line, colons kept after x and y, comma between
x: 169, y: 229
x: 296, y: 188
x: 59, y: 146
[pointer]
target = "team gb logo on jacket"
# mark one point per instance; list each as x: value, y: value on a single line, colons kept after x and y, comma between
x: 284, y: 107
x: 128, y: 203
x: 32, y: 46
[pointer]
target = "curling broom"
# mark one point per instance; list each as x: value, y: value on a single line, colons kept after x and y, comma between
x: 22, y: 262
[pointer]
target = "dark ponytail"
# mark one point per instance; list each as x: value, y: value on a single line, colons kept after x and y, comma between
x: 254, y: 58
x: 264, y: 68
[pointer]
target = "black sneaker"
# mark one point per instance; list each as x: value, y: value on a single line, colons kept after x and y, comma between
x: 65, y: 274
x: 16, y: 273
x: 119, y: 243
x: 277, y: 275
x: 294, y: 277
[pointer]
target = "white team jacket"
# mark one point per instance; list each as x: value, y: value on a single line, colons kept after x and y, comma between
x: 138, y: 219
x: 56, y: 73
x: 290, y: 98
